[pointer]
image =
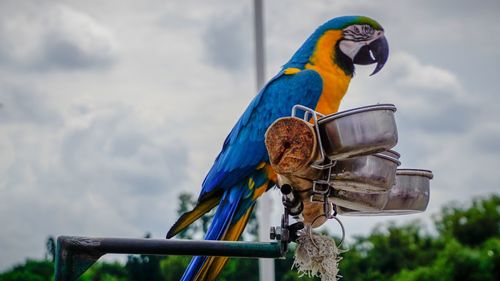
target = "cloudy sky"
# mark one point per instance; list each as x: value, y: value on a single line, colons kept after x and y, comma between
x: 109, y: 109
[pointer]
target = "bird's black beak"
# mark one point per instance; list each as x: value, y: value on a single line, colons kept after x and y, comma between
x: 375, y: 52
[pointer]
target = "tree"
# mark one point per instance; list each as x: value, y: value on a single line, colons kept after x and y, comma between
x: 105, y: 271
x: 471, y: 226
x: 172, y: 267
x: 458, y: 262
x: 31, y: 270
x: 386, y: 251
x: 466, y: 249
x: 143, y: 267
x: 50, y: 253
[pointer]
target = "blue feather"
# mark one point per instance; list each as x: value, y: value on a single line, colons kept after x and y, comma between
x: 237, y: 178
x: 244, y: 147
x: 222, y: 218
x: 244, y: 150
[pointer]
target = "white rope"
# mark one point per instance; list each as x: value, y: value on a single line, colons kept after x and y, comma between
x: 317, y: 256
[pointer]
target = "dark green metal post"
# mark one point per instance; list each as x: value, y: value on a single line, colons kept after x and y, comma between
x: 74, y: 255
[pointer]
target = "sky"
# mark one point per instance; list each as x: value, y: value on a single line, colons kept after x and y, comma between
x: 110, y: 109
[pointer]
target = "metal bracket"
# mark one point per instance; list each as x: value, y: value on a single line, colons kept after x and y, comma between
x: 307, y: 111
x: 286, y: 233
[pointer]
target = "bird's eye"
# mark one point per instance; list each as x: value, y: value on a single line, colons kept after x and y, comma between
x: 367, y: 29
x: 356, y: 29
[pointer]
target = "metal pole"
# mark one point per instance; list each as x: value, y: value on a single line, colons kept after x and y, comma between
x: 74, y: 255
x: 266, y: 266
x: 259, y: 43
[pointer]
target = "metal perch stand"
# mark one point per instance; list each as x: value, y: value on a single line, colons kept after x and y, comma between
x: 74, y: 255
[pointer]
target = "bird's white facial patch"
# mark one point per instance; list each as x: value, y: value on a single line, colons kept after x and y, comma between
x: 350, y: 48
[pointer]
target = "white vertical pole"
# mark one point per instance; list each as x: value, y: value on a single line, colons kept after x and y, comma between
x: 259, y: 43
x: 264, y: 208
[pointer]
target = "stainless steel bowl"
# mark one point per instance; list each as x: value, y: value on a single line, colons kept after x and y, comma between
x: 368, y: 202
x: 370, y: 173
x: 409, y: 195
x: 411, y: 192
x: 359, y: 131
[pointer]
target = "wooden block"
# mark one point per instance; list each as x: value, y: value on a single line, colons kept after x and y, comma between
x: 292, y: 145
x: 311, y: 211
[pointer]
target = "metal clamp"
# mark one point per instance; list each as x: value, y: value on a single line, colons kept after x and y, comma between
x: 286, y: 232
x: 321, y: 188
x: 318, y: 164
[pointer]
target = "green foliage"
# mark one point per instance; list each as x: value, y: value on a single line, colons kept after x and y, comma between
x: 50, y: 249
x: 471, y: 226
x: 466, y: 247
x: 386, y: 251
x: 172, y: 267
x: 31, y: 270
x: 459, y: 262
x: 104, y: 271
x: 143, y: 267
x: 240, y: 269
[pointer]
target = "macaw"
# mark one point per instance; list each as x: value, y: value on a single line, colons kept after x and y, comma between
x: 317, y: 76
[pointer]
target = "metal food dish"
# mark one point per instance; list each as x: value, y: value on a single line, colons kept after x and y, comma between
x: 411, y: 192
x: 368, y: 202
x: 359, y: 131
x: 409, y: 195
x: 371, y: 173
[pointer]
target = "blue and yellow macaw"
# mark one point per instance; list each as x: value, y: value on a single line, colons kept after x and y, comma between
x: 317, y: 76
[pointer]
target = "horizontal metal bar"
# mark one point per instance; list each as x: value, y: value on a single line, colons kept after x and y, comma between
x: 174, y: 247
x: 74, y: 255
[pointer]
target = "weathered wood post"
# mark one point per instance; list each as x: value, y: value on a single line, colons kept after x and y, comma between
x: 292, y: 146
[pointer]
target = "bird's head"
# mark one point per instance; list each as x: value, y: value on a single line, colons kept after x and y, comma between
x: 347, y: 40
x: 363, y: 42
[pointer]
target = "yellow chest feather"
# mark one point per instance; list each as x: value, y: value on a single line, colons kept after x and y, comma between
x: 335, y: 81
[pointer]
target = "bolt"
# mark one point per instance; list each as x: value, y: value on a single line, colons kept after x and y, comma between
x: 278, y: 232
x: 272, y: 234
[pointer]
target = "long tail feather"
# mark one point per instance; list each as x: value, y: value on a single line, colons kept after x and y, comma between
x: 216, y: 231
x: 233, y: 234
x: 189, y: 217
x: 229, y: 221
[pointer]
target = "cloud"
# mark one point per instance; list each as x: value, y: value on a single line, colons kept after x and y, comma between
x: 440, y: 125
x: 487, y: 139
x: 407, y: 71
x: 126, y: 150
x: 20, y: 105
x: 54, y: 37
x: 228, y: 40
x: 430, y: 99
x: 428, y: 92
x: 107, y: 172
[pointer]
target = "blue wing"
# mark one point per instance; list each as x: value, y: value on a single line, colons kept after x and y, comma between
x: 236, y: 179
x: 244, y: 147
